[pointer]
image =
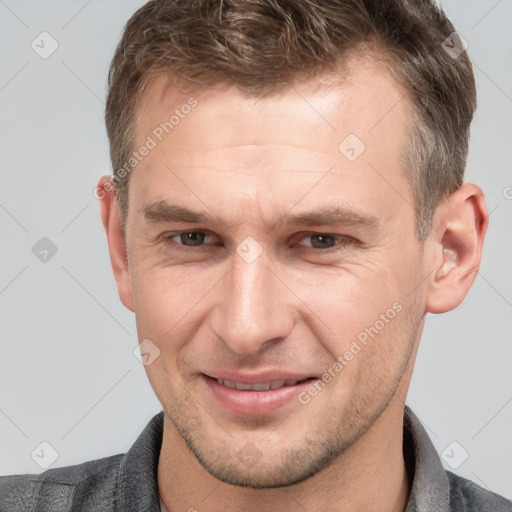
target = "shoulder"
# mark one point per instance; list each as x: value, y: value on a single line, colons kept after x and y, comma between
x: 124, y: 481
x: 92, y: 482
x: 467, y: 496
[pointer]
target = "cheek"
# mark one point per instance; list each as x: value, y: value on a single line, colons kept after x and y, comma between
x: 358, y: 307
x: 164, y: 300
x: 352, y: 296
x: 167, y: 298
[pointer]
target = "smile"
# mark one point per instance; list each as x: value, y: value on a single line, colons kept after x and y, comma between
x: 263, y: 386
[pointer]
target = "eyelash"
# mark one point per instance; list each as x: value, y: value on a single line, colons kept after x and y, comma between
x: 343, y: 240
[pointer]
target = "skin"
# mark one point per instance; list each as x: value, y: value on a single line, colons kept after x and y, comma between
x: 295, y: 307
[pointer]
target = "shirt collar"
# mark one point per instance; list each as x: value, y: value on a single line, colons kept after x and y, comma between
x: 430, y: 490
x: 138, y: 481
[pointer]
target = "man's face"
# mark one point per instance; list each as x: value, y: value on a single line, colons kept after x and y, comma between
x: 295, y: 298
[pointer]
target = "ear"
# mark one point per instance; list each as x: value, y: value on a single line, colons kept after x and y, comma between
x: 111, y: 218
x: 457, y: 237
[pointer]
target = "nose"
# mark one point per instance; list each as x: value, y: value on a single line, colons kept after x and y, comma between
x: 254, y: 307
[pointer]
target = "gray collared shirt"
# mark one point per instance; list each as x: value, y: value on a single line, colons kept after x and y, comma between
x: 128, y: 482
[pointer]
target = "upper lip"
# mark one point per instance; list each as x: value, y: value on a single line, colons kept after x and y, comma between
x: 256, y: 378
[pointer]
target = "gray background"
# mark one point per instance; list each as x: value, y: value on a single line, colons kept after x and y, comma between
x: 68, y: 375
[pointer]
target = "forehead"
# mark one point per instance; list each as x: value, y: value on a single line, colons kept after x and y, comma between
x: 355, y: 98
x: 263, y: 148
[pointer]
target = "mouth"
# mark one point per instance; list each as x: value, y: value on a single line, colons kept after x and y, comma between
x: 261, y: 386
x: 257, y: 398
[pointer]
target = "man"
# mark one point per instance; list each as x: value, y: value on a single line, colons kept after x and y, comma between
x: 287, y: 205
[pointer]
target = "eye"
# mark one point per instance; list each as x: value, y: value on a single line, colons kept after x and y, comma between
x: 324, y: 241
x: 320, y: 242
x: 186, y: 238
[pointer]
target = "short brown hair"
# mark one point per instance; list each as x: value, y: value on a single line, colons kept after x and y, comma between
x: 265, y: 45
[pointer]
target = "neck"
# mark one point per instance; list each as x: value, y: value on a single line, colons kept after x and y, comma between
x: 369, y: 476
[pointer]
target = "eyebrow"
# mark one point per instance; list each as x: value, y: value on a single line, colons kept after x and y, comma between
x: 162, y: 212
x: 333, y: 215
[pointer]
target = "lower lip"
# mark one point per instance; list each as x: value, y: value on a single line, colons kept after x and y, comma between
x: 255, y: 403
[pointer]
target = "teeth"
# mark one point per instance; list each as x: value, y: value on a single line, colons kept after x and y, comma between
x: 277, y: 384
x: 262, y: 386
x: 242, y: 387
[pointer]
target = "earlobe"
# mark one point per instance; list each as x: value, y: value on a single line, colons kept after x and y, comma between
x: 111, y: 218
x: 460, y: 227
